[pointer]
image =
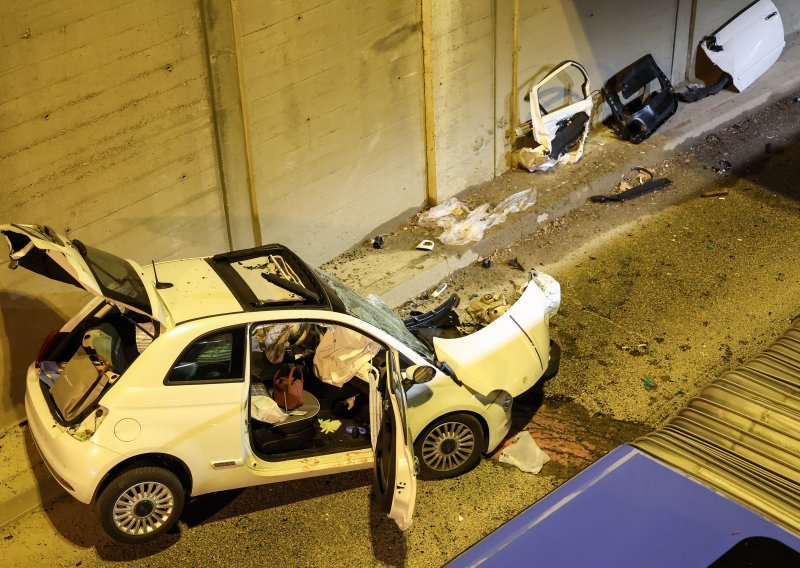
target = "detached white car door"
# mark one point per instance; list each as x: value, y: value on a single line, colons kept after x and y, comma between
x: 395, y: 477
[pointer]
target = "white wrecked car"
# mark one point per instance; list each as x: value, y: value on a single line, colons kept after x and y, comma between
x: 168, y: 383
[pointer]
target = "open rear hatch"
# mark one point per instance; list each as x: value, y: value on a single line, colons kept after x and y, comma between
x: 40, y: 249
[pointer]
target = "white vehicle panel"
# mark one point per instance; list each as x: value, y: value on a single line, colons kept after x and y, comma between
x: 750, y: 43
x: 509, y: 354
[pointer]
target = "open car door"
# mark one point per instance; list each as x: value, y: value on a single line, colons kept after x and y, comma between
x: 395, y: 479
x: 43, y: 251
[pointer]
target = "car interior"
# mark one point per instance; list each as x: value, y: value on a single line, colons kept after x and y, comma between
x: 104, y: 344
x: 331, y: 418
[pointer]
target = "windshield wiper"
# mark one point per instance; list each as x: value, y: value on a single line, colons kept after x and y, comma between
x: 290, y: 286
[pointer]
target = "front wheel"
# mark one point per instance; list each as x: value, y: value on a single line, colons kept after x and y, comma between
x: 449, y: 446
x: 140, y: 504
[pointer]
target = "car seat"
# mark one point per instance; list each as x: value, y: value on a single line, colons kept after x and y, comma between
x: 292, y: 434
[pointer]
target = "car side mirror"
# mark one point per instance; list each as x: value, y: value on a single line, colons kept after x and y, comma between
x: 419, y: 374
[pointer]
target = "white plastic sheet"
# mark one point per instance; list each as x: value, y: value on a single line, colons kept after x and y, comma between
x: 265, y: 409
x: 524, y: 453
x: 472, y: 228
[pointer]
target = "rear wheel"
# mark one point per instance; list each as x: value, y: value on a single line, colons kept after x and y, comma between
x: 449, y: 446
x: 141, y: 504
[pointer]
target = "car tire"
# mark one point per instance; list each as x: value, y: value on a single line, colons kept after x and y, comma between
x: 449, y: 446
x: 555, y: 361
x: 140, y: 504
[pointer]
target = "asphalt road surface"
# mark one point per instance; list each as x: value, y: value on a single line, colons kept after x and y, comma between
x: 660, y: 294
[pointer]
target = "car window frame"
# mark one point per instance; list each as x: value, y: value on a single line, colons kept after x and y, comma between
x: 243, y: 328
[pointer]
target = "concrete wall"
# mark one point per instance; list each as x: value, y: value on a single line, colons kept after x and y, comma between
x: 790, y: 14
x: 334, y: 95
x: 463, y: 73
x: 104, y: 130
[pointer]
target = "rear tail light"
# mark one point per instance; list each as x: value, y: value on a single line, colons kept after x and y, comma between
x: 46, y: 345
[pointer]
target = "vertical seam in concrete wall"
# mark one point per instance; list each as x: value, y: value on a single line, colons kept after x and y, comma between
x: 683, y: 39
x: 514, y: 69
x: 232, y: 140
x: 427, y: 93
x: 494, y: 87
x: 690, y: 48
x: 251, y: 185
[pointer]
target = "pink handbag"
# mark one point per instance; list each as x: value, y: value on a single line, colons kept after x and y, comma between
x: 287, y: 390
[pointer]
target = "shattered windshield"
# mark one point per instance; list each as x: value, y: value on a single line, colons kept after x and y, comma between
x: 373, y: 310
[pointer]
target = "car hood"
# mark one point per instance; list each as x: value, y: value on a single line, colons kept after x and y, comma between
x: 512, y: 352
x: 42, y: 250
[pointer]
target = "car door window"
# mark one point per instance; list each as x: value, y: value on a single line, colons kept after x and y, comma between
x: 214, y: 358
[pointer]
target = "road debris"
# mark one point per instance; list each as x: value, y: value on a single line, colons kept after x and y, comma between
x: 425, y: 244
x: 378, y: 241
x: 633, y: 192
x: 486, y: 308
x: 458, y: 230
x: 560, y: 133
x: 724, y: 166
x: 714, y: 194
x: 516, y: 264
x: 648, y: 383
x: 486, y: 263
x: 439, y: 289
x: 523, y: 453
x: 646, y: 109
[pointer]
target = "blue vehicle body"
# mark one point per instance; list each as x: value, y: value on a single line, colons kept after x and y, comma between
x: 628, y: 509
x: 719, y: 484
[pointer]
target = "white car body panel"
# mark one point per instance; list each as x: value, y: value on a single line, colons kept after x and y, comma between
x: 509, y: 354
x: 197, y: 290
x: 163, y: 432
x: 750, y: 43
x: 82, y: 464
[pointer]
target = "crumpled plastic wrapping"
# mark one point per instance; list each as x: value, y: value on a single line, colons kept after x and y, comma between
x: 265, y: 409
x: 472, y: 228
x: 524, y: 453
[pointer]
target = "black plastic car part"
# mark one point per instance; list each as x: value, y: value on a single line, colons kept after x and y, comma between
x: 441, y: 316
x: 569, y: 133
x: 642, y: 115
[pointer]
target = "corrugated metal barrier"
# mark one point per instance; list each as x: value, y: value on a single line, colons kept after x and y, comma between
x: 741, y: 435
